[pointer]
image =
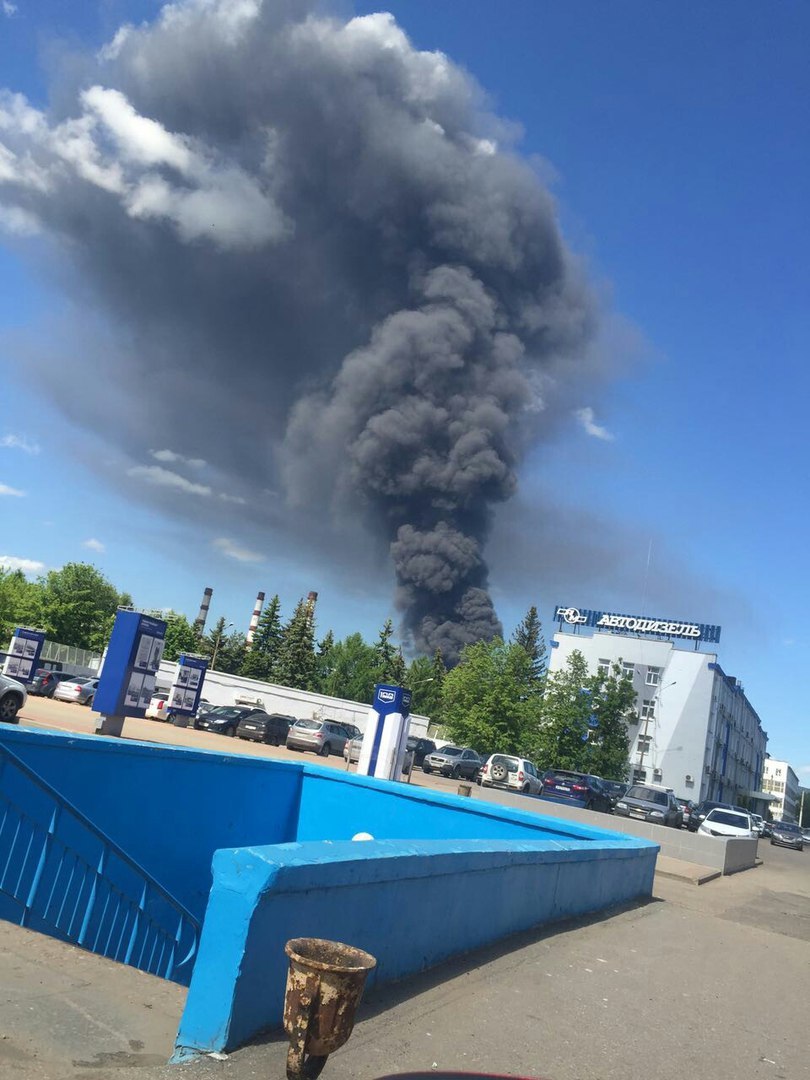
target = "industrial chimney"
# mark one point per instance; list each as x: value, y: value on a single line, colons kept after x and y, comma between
x: 312, y: 599
x: 199, y: 622
x: 254, y: 618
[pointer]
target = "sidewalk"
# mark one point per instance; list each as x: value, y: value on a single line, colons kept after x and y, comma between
x: 680, y: 987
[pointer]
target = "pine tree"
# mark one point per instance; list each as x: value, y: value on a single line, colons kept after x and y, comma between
x: 262, y: 658
x: 529, y: 635
x: 390, y: 667
x: 324, y: 662
x: 296, y: 656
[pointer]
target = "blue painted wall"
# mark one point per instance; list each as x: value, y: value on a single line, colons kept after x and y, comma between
x: 411, y: 905
x: 170, y: 810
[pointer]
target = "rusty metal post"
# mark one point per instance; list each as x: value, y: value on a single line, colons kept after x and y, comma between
x: 324, y: 985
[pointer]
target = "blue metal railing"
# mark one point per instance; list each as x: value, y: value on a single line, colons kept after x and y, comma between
x: 61, y: 875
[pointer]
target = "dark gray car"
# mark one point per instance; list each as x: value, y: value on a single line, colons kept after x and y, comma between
x: 785, y: 834
x: 650, y: 804
x: 453, y: 761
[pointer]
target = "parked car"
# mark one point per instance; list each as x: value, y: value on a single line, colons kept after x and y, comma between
x: 767, y: 830
x: 46, y: 681
x: 79, y: 691
x: 759, y: 823
x: 351, y: 751
x: 13, y: 696
x: 271, y: 728
x: 508, y: 771
x: 324, y: 737
x: 580, y: 789
x: 416, y: 750
x: 687, y: 807
x: 786, y: 834
x: 352, y: 730
x: 651, y: 804
x: 615, y: 789
x: 806, y: 836
x: 453, y: 761
x: 158, y: 709
x: 702, y: 809
x: 720, y: 822
x: 203, y: 709
x: 225, y: 719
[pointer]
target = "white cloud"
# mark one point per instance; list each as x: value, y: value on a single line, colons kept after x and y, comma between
x: 171, y: 458
x: 8, y: 8
x: 18, y: 222
x: 804, y: 770
x: 232, y: 498
x: 28, y: 566
x: 94, y: 545
x: 19, y: 442
x: 115, y: 148
x: 236, y: 551
x: 6, y: 490
x: 160, y: 477
x: 589, y: 425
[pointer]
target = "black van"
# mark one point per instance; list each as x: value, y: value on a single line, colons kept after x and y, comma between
x: 271, y: 728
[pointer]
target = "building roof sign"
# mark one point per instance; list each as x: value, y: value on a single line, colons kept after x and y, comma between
x: 637, y: 624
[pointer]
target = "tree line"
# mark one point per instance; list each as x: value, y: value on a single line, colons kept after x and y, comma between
x: 499, y: 698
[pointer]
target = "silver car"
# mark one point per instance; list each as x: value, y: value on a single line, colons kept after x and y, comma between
x: 324, y: 737
x: 80, y: 691
x: 453, y: 761
x: 13, y: 696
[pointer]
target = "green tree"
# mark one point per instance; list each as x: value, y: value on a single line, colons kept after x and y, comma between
x: 20, y: 603
x: 489, y: 700
x: 353, y: 664
x: 425, y: 679
x: 180, y: 636
x: 226, y: 652
x: 261, y: 660
x: 323, y: 662
x: 79, y: 606
x: 296, y: 655
x: 529, y: 635
x: 390, y: 666
x: 584, y: 720
x: 613, y: 708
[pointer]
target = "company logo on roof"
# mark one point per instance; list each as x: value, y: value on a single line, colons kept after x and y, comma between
x: 637, y: 624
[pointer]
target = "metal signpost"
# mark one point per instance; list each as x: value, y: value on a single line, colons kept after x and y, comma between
x: 127, y: 680
x: 23, y: 654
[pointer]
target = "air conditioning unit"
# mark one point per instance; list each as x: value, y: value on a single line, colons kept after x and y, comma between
x: 689, y: 779
x: 657, y: 774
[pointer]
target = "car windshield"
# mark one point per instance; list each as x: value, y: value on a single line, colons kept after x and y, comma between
x: 450, y: 751
x: 308, y: 725
x: 784, y: 826
x: 728, y: 817
x: 225, y: 712
x: 645, y: 794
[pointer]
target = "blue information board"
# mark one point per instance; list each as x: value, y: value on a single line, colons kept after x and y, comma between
x: 127, y: 680
x: 23, y: 654
x: 187, y: 684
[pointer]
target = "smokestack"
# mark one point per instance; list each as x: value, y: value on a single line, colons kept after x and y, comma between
x: 312, y: 599
x: 254, y: 618
x: 199, y: 622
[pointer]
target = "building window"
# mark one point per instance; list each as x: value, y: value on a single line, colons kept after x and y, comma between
x: 653, y: 676
x: 628, y: 669
x: 604, y: 667
x: 647, y: 711
x: 644, y: 743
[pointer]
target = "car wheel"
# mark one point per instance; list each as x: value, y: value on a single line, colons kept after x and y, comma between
x: 499, y: 772
x: 455, y: 773
x: 324, y: 750
x: 588, y: 805
x: 426, y: 769
x: 9, y: 707
x: 773, y: 843
x: 231, y: 732
x: 525, y: 789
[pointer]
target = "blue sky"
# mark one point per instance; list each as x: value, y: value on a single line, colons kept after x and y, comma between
x: 676, y: 141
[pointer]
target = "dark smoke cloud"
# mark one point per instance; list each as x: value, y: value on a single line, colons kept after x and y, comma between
x: 315, y: 259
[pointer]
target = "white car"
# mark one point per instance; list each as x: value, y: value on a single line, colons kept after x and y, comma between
x: 351, y: 751
x: 158, y: 708
x: 80, y: 691
x: 719, y: 822
x: 13, y: 696
x: 508, y: 771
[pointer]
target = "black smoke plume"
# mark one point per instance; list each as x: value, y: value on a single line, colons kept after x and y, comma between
x: 318, y: 262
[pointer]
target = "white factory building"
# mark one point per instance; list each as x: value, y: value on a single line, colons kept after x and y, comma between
x: 781, y: 781
x: 694, y: 730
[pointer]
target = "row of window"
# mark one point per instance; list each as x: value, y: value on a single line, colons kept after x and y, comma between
x: 653, y: 677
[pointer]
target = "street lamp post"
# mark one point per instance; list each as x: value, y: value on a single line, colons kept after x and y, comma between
x: 647, y: 718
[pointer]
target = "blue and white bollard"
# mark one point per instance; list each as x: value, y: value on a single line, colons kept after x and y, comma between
x: 383, y: 748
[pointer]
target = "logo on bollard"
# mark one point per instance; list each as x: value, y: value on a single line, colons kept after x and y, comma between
x: 386, y: 695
